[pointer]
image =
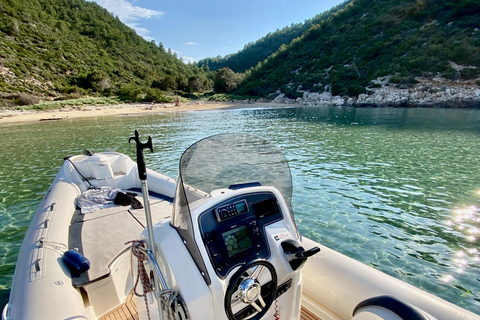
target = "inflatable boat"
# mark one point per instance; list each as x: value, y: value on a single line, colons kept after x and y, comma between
x: 115, y: 240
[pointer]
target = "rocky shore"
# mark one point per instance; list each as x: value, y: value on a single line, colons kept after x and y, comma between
x: 431, y: 93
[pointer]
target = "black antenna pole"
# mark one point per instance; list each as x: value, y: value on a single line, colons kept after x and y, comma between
x: 142, y: 169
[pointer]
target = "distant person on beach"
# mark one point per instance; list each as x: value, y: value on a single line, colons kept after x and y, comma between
x: 177, y: 102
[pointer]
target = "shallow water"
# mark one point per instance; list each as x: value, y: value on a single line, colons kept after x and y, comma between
x: 397, y: 189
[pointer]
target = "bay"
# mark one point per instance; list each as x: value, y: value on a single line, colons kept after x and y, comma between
x: 397, y: 189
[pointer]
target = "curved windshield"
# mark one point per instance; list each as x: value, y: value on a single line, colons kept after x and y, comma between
x: 228, y: 161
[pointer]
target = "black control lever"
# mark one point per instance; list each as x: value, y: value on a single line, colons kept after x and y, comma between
x: 296, y: 255
x: 302, y: 254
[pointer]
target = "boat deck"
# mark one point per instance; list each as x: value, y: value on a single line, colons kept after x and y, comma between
x: 116, y: 226
x: 128, y: 311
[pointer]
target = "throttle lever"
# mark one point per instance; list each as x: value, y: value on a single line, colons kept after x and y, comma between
x: 296, y: 255
x: 301, y: 254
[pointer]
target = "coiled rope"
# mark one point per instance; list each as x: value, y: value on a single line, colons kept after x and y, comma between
x: 172, y: 305
x: 276, y: 316
x: 141, y: 272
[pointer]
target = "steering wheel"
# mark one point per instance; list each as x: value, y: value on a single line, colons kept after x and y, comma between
x: 246, y: 290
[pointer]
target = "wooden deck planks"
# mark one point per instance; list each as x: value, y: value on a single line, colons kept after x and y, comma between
x: 307, y: 315
x: 126, y: 311
x: 132, y: 308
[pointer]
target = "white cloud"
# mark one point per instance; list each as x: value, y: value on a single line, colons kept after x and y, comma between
x: 188, y: 59
x: 130, y: 14
x: 185, y: 59
x: 140, y: 31
x: 190, y: 43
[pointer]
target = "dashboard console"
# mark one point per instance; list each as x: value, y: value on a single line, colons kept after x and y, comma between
x: 234, y: 231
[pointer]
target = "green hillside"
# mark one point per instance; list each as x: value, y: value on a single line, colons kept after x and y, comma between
x: 369, y: 39
x: 72, y: 48
x: 61, y: 47
x: 261, y: 49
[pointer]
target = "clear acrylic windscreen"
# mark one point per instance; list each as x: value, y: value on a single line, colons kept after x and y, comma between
x: 220, y: 161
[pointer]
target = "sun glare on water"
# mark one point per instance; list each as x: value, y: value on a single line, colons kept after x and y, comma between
x: 466, y: 221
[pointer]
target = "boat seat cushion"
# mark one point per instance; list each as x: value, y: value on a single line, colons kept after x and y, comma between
x: 101, y: 235
x: 375, y: 313
x: 386, y: 308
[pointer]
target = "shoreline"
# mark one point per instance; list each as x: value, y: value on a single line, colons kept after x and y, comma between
x: 318, y: 100
x: 77, y: 112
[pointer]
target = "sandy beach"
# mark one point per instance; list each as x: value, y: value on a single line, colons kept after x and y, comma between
x: 18, y: 116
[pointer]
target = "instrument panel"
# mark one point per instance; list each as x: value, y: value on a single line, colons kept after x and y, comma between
x: 234, y: 231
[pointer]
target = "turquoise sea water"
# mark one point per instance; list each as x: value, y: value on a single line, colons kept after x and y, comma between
x: 397, y: 189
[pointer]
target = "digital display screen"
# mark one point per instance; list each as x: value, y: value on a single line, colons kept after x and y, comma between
x: 241, y: 206
x: 265, y: 208
x: 237, y: 240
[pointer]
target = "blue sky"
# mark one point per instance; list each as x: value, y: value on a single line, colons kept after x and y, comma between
x: 199, y: 29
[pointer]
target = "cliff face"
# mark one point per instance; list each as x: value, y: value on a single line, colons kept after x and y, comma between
x: 436, y: 92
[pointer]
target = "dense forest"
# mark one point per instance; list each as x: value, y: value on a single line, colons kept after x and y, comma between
x: 74, y: 47
x: 370, y: 39
x: 261, y: 49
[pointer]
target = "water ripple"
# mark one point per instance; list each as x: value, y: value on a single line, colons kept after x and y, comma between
x: 394, y: 188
